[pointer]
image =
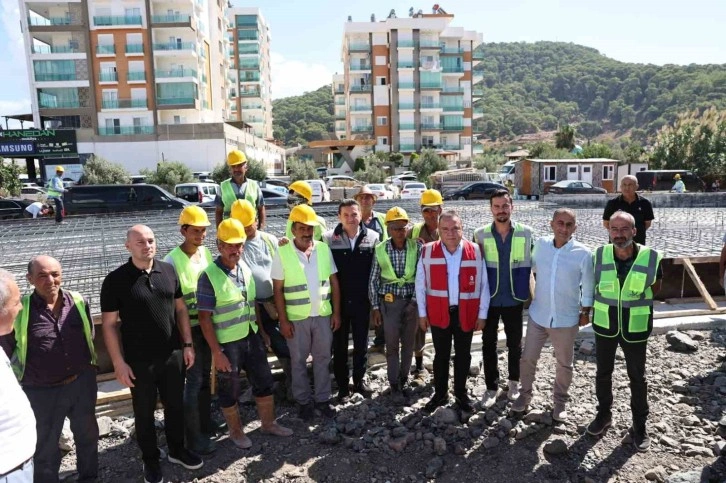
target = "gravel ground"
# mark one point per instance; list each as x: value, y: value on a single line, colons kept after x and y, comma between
x: 376, y: 441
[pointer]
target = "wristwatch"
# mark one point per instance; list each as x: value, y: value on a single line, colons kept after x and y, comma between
x: 188, y: 344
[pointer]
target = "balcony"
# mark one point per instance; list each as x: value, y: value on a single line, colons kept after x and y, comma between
x: 431, y: 86
x: 252, y: 119
x: 407, y: 147
x: 359, y: 47
x: 454, y: 108
x: 108, y: 77
x: 429, y: 44
x: 253, y: 107
x: 452, y: 127
x: 478, y: 112
x: 340, y: 89
x: 250, y: 93
x: 452, y: 90
x: 54, y: 49
x: 430, y: 105
x: 178, y: 102
x: 406, y: 85
x: 477, y: 92
x: 51, y: 77
x: 361, y: 108
x: 360, y: 67
x: 204, y: 78
x: 430, y: 126
x: 138, y: 76
x: 340, y: 102
x: 360, y: 88
x: 478, y: 55
x: 452, y: 50
x: 125, y: 130
x: 134, y: 49
x: 406, y: 127
x: 167, y: 19
x: 174, y: 47
x: 453, y: 69
x: 105, y: 50
x: 362, y: 128
x: 50, y: 21
x: 340, y: 116
x: 247, y: 35
x: 451, y: 147
x: 51, y: 103
x: 123, y: 104
x: 405, y: 44
x: 175, y: 73
x: 116, y: 20
x: 406, y: 64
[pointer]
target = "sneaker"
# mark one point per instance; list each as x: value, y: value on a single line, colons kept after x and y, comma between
x: 363, y: 389
x: 326, y: 409
x: 187, y: 459
x: 513, y: 392
x: 435, y: 402
x: 559, y: 414
x: 599, y: 424
x: 641, y: 440
x: 490, y: 398
x: 519, y: 407
x: 152, y: 473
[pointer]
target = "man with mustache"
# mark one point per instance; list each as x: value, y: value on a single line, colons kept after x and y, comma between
x: 626, y: 277
x: 237, y: 187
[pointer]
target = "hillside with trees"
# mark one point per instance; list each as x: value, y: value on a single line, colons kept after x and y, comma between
x: 299, y: 119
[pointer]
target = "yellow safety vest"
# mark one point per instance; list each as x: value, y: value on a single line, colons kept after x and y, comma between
x: 295, y: 288
x: 229, y: 197
x: 234, y: 312
x: 388, y: 274
x: 188, y: 274
x: 520, y: 259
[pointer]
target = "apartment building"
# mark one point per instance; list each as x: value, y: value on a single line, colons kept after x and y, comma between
x: 250, y: 92
x: 408, y: 84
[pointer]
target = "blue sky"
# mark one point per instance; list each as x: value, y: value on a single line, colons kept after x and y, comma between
x: 306, y: 36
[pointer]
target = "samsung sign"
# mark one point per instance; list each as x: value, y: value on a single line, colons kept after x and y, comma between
x: 23, y: 143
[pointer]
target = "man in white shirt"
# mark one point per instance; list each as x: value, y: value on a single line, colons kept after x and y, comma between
x: 17, y: 421
x: 562, y: 301
x: 34, y: 210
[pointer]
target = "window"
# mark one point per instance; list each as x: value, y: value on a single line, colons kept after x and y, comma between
x: 550, y: 173
x: 381, y: 81
x: 607, y: 171
x: 382, y: 141
x: 381, y: 121
x: 381, y: 60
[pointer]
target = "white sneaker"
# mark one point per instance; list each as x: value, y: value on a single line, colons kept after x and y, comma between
x: 513, y: 393
x: 559, y: 414
x: 490, y: 398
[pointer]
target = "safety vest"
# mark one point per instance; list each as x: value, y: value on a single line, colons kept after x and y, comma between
x: 229, y: 196
x: 188, y: 274
x: 317, y: 230
x: 388, y: 274
x: 52, y: 192
x: 268, y: 241
x: 416, y: 230
x: 233, y: 315
x: 21, y: 333
x: 636, y: 294
x: 520, y: 259
x: 295, y: 288
x: 437, y: 290
x: 382, y: 222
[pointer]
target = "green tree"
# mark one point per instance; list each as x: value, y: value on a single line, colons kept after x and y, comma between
x: 299, y: 169
x: 487, y: 162
x: 589, y: 129
x: 565, y: 137
x: 220, y: 173
x: 9, y: 182
x: 596, y: 150
x: 372, y: 170
x: 542, y: 150
x: 256, y: 170
x: 99, y: 170
x: 359, y: 164
x: 429, y: 162
x: 168, y: 174
x: 396, y: 159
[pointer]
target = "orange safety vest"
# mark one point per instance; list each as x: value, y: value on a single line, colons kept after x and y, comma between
x: 437, y: 293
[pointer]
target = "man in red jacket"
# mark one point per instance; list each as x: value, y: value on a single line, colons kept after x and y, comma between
x: 452, y: 293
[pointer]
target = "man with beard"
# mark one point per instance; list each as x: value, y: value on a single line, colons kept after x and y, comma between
x: 238, y: 187
x: 626, y: 277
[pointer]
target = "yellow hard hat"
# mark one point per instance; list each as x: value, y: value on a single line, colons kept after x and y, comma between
x: 59, y: 168
x: 304, y: 189
x: 303, y: 214
x: 236, y: 157
x: 194, y: 216
x: 677, y: 176
x: 396, y: 214
x: 431, y: 198
x: 231, y: 231
x: 244, y: 212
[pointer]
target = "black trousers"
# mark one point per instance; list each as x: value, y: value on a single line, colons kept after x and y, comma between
x: 356, y: 322
x: 462, y: 358
x: 635, y: 353
x: 512, y: 319
x: 164, y: 377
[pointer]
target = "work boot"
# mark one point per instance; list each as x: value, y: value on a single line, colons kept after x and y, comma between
x: 287, y: 370
x: 601, y: 422
x: 234, y: 423
x: 209, y: 424
x: 266, y: 412
x: 363, y: 389
x: 197, y: 441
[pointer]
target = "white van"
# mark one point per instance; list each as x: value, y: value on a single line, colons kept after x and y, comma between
x: 197, y: 192
x: 506, y: 172
x: 320, y: 191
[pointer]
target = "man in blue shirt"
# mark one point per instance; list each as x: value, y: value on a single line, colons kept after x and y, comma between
x: 55, y: 192
x: 563, y: 297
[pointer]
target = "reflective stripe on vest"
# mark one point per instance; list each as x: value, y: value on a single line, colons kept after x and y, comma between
x: 437, y: 294
x: 233, y: 315
x: 388, y: 274
x: 21, y: 333
x: 636, y: 294
x: 520, y: 259
x: 229, y: 196
x: 52, y: 192
x: 295, y: 288
x: 188, y: 274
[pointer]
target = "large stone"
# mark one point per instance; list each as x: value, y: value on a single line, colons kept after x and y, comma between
x: 587, y: 347
x: 434, y: 467
x: 440, y: 446
x: 555, y: 447
x: 490, y: 442
x: 104, y: 426
x: 330, y: 436
x: 681, y: 342
x: 656, y: 474
x: 397, y: 444
x: 718, y: 448
x: 692, y: 476
x: 444, y: 415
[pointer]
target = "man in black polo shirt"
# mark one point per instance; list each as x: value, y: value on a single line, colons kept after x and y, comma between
x: 147, y: 296
x: 630, y: 202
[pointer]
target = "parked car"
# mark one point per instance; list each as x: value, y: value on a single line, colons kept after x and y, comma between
x: 395, y: 191
x: 12, y: 208
x: 412, y: 191
x: 662, y: 180
x: 322, y: 171
x: 275, y: 182
x: 340, y: 180
x: 32, y: 193
x: 380, y: 191
x: 274, y: 197
x: 117, y: 198
x: 197, y: 192
x: 574, y: 187
x: 320, y: 190
x: 480, y: 190
x: 404, y: 178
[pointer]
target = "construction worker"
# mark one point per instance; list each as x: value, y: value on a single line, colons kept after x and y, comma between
x: 627, y: 275
x: 371, y: 219
x: 189, y: 260
x: 259, y: 250
x: 55, y: 363
x: 305, y: 283
x: 507, y: 250
x: 300, y: 193
x: 679, y: 186
x: 352, y: 245
x: 238, y: 187
x: 55, y: 192
x: 230, y: 323
x: 392, y: 293
x: 452, y: 295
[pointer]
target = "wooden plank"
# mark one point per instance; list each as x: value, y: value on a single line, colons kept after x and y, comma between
x: 711, y: 259
x: 699, y: 284
x: 109, y: 376
x: 110, y: 391
x: 689, y: 300
x: 687, y: 313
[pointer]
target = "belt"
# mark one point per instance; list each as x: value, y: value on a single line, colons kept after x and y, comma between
x: 453, y: 308
x: 395, y: 297
x: 17, y: 467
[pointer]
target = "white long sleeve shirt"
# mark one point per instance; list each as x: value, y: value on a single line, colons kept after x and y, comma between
x: 17, y: 421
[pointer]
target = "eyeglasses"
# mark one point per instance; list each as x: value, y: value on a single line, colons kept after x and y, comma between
x: 396, y: 228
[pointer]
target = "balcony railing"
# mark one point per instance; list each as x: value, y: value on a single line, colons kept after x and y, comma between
x: 406, y: 105
x: 248, y: 35
x: 125, y: 130
x: 406, y: 64
x: 56, y: 104
x: 452, y: 90
x: 105, y: 49
x: 405, y: 43
x: 180, y: 18
x: 123, y: 103
x: 174, y: 46
x: 360, y: 88
x: 204, y: 78
x: 49, y: 21
x: 134, y: 48
x: 255, y: 93
x: 359, y: 108
x: 430, y: 126
x: 405, y: 85
x: 54, y: 49
x: 252, y: 107
x: 452, y: 50
x: 340, y: 116
x: 136, y: 76
x: 407, y: 127
x: 478, y: 55
x: 49, y: 77
x: 340, y: 102
x: 173, y: 101
x: 108, y: 77
x: 340, y: 90
x: 407, y: 147
x: 429, y: 44
x: 253, y: 119
x: 451, y: 147
x: 452, y: 127
x: 448, y: 69
x: 249, y: 65
x: 359, y: 67
x: 183, y: 72
x: 477, y: 92
x: 113, y: 20
x: 359, y: 46
x: 431, y: 85
x: 454, y: 108
x: 430, y: 105
x: 364, y: 128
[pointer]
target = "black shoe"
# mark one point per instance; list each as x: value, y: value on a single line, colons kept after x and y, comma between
x: 326, y: 409
x: 465, y: 404
x: 187, y: 459
x: 306, y: 412
x: 343, y: 395
x: 599, y: 424
x: 152, y: 473
x: 436, y: 401
x: 363, y: 389
x: 641, y: 440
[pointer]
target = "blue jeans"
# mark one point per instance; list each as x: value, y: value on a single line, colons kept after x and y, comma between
x: 51, y: 405
x: 278, y: 344
x: 58, y: 208
x: 24, y: 474
x: 197, y: 390
x: 246, y: 354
